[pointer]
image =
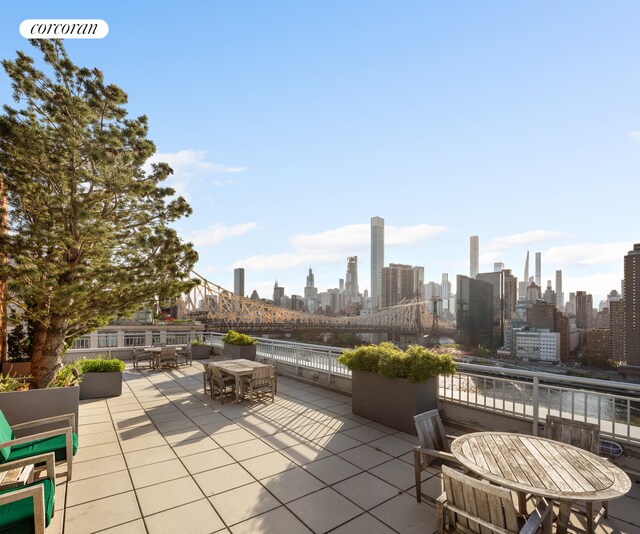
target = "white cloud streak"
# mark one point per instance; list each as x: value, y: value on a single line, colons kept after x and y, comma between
x: 635, y: 136
x: 523, y: 239
x: 216, y: 233
x: 587, y: 254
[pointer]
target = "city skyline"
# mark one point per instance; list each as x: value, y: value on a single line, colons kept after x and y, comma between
x: 288, y: 127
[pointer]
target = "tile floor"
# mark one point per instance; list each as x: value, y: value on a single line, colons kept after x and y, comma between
x: 164, y: 457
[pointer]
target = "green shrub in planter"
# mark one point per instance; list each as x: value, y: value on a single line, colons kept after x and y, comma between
x: 100, y: 365
x: 236, y: 338
x: 417, y: 363
x: 197, y: 343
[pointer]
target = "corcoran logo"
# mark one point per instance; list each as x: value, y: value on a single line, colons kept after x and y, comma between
x: 64, y: 29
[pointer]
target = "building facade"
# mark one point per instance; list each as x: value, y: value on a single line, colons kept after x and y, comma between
x: 474, y: 256
x: 238, y: 282
x: 377, y: 260
x: 632, y: 306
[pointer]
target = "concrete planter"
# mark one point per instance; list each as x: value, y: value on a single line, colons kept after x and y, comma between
x: 100, y: 385
x: 16, y: 369
x: 23, y: 406
x: 200, y: 352
x: 392, y: 401
x: 235, y: 352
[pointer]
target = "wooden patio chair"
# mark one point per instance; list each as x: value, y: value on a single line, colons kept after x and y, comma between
x: 584, y: 436
x: 434, y: 446
x: 141, y: 355
x: 168, y: 357
x: 186, y: 354
x: 206, y: 378
x: 29, y: 508
x: 63, y: 442
x: 261, y: 382
x: 469, y: 506
x: 221, y: 385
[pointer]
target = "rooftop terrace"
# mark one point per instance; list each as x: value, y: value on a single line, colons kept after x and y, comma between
x: 164, y: 457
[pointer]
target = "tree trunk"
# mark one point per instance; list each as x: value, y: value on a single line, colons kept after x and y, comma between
x: 48, y: 348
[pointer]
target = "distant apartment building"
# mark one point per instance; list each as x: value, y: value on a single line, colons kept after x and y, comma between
x: 616, y: 329
x: 559, y: 293
x: 541, y: 346
x: 510, y: 292
x: 496, y: 279
x: 474, y: 311
x: 632, y: 306
x: 400, y: 282
x: 584, y: 310
x: 377, y: 260
x: 238, y: 282
x: 498, y: 266
x: 278, y: 295
x: 544, y: 316
x: 549, y: 294
x: 538, y: 279
x: 433, y: 297
x: 352, y: 292
x: 597, y: 345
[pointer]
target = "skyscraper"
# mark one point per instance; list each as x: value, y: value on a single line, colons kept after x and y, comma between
x: 238, y: 281
x: 584, y: 310
x: 522, y: 288
x: 632, y: 306
x: 498, y: 266
x: 538, y: 269
x: 559, y: 294
x: 351, y: 282
x: 377, y: 260
x: 474, y: 258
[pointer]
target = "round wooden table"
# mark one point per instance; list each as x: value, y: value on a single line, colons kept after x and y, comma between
x: 551, y: 469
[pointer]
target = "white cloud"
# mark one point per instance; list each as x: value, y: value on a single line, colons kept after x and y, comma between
x: 635, y: 135
x: 218, y: 232
x: 584, y: 254
x: 523, y: 239
x: 332, y: 245
x: 599, y: 285
x: 190, y: 164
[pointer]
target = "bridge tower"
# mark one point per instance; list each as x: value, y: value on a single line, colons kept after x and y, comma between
x: 433, y: 338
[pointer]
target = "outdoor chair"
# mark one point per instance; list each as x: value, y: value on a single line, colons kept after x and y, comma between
x: 63, y: 442
x: 221, y: 385
x: 168, y: 357
x: 584, y: 436
x: 206, y: 378
x: 186, y: 354
x: 434, y: 446
x: 261, y: 382
x: 469, y: 506
x: 141, y: 355
x: 30, y: 507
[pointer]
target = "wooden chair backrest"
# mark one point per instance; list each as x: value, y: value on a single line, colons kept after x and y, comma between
x: 215, y: 371
x: 577, y: 433
x: 431, y: 431
x: 207, y: 368
x: 478, y: 498
x: 261, y: 376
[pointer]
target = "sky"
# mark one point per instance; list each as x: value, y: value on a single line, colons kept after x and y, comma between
x: 290, y: 124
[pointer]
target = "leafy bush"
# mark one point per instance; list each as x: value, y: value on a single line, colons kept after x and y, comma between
x: 100, y: 365
x: 68, y: 375
x: 236, y: 338
x: 197, y: 343
x: 10, y: 383
x: 416, y: 363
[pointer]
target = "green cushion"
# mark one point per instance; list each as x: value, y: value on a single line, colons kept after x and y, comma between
x: 17, y: 517
x: 6, y: 434
x: 56, y: 444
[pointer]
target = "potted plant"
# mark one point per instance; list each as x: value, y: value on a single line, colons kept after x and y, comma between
x: 200, y: 350
x: 100, y: 377
x: 237, y: 345
x: 20, y: 403
x: 390, y: 386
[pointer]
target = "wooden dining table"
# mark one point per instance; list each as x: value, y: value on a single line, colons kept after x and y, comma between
x: 238, y: 368
x: 542, y: 467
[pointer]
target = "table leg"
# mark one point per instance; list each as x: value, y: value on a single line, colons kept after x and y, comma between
x: 563, y: 517
x: 589, y: 517
x: 522, y: 502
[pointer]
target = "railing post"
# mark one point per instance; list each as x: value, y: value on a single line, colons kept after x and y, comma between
x: 536, y: 406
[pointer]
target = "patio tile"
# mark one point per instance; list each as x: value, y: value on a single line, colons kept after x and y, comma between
x: 392, y: 445
x: 267, y: 465
x: 194, y: 446
x: 292, y: 484
x: 365, y: 490
x: 396, y: 472
x: 102, y: 417
x: 181, y: 423
x: 365, y: 523
x: 141, y: 431
x: 130, y: 419
x: 102, y: 514
x: 154, y: 474
x: 160, y: 497
x: 305, y: 453
x: 180, y: 436
x: 98, y: 487
x: 97, y: 439
x: 332, y: 469
x: 133, y: 527
x: 281, y: 440
x: 323, y: 510
x: 232, y: 437
x: 197, y: 517
x: 365, y: 457
x: 248, y: 449
x: 149, y: 456
x: 94, y: 452
x: 211, y: 417
x: 144, y: 442
x: 341, y: 409
x: 337, y: 443
x: 94, y: 428
x: 205, y: 461
x: 100, y: 466
x: 219, y: 427
x: 278, y: 520
x: 243, y: 503
x: 406, y: 515
x: 223, y: 479
x: 364, y: 433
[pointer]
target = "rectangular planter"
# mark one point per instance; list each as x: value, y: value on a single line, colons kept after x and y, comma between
x: 392, y: 401
x: 23, y: 406
x: 200, y: 352
x: 100, y: 385
x: 235, y: 352
x: 16, y: 369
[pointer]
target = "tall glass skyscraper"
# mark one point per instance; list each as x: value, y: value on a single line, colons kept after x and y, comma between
x: 377, y: 260
x: 474, y: 256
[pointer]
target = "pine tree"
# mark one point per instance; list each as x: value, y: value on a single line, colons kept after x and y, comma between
x: 89, y: 230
